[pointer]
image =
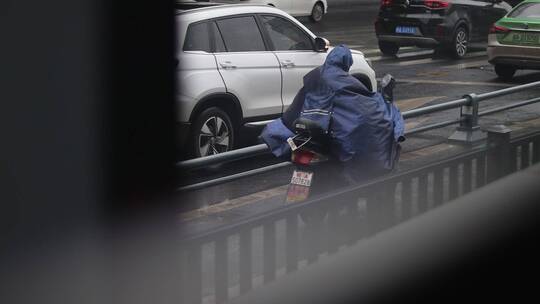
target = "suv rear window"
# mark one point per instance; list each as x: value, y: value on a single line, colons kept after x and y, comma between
x: 197, y: 38
x: 526, y: 10
x: 241, y: 34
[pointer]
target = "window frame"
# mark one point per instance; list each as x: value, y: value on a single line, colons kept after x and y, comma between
x: 267, y: 34
x: 267, y: 47
x: 210, y: 42
x: 268, y: 44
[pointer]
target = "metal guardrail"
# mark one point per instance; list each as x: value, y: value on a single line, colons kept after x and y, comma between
x: 468, y: 131
x: 230, y: 260
x: 485, y: 237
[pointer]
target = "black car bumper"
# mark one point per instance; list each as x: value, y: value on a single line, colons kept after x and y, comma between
x: 403, y: 40
x: 431, y: 31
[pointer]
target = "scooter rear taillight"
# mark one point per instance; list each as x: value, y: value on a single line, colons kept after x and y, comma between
x: 302, y: 157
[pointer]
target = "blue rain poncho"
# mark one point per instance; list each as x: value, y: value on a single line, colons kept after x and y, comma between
x: 361, y: 124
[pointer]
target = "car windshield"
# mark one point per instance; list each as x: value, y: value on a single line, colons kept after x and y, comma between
x: 526, y: 10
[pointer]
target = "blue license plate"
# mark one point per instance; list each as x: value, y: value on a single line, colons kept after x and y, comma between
x: 405, y: 30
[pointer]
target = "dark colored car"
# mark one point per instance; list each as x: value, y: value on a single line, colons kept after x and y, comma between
x: 444, y: 24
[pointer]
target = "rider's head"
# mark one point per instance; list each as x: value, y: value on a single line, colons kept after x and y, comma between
x: 341, y: 57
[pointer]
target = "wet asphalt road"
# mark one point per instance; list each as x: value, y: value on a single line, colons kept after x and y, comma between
x: 423, y: 79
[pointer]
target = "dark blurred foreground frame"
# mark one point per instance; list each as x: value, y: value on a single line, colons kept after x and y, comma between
x: 482, y: 247
x: 86, y: 152
x: 86, y: 122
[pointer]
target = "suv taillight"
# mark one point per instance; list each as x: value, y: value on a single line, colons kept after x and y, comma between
x: 436, y: 3
x: 386, y: 2
x: 497, y: 29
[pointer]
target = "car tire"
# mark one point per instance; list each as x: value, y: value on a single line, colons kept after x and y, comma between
x: 505, y: 72
x: 212, y: 133
x: 388, y: 48
x: 317, y: 12
x: 460, y: 42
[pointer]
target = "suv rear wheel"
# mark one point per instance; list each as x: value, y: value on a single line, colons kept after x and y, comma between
x: 505, y: 72
x: 459, y: 43
x: 212, y: 133
x: 388, y: 48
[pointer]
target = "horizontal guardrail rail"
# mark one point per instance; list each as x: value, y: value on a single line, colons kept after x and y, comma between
x: 201, y: 162
x: 467, y: 131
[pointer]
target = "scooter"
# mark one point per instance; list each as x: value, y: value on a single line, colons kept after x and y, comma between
x: 309, y: 148
x: 310, y: 155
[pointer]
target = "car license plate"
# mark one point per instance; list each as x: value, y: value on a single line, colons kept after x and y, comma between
x: 405, y: 30
x: 301, y: 178
x: 525, y: 38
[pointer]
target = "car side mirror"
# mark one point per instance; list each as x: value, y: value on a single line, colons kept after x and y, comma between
x: 321, y: 44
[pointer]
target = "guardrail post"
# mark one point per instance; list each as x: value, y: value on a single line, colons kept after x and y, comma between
x: 468, y: 130
x: 498, y: 154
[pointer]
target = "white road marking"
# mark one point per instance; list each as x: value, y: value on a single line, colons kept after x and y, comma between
x: 432, y: 60
x: 414, y: 54
x: 419, y: 61
x: 466, y: 65
x: 403, y: 55
x: 376, y: 51
x: 462, y: 83
x: 411, y: 55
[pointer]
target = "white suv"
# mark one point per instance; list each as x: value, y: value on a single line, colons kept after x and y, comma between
x: 315, y: 9
x: 241, y: 64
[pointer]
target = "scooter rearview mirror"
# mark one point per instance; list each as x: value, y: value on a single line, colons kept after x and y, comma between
x: 388, y: 82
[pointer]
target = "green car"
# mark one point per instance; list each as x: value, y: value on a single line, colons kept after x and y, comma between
x: 514, y: 40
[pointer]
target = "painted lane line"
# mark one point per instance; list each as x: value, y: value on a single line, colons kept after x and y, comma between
x: 407, y: 55
x: 467, y: 83
x: 467, y: 65
x: 412, y: 55
x: 432, y: 60
x: 377, y: 51
x: 419, y: 61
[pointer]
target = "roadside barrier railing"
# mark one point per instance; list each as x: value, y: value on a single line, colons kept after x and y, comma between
x: 227, y: 261
x: 467, y: 131
x: 446, y: 253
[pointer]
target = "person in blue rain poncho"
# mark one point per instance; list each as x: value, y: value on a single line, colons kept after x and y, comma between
x: 364, y: 128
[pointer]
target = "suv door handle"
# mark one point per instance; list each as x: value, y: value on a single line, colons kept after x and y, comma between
x: 227, y: 65
x: 287, y: 64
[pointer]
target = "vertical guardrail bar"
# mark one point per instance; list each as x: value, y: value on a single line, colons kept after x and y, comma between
x: 246, y: 261
x: 221, y: 278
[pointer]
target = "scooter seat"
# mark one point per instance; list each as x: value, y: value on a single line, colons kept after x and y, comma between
x: 308, y: 127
